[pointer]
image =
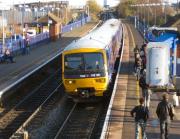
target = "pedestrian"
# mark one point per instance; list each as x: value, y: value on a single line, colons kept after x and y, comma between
x: 136, y: 50
x: 27, y: 46
x: 141, y: 117
x: 137, y: 62
x: 8, y: 55
x: 165, y: 113
x: 24, y: 46
x: 143, y: 57
x: 144, y: 87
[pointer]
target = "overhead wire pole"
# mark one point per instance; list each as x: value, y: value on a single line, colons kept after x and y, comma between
x: 148, y: 14
x: 3, y: 27
x: 153, y: 11
x: 155, y: 15
x: 178, y: 4
x: 165, y: 18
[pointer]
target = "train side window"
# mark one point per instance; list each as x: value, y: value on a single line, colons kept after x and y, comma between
x: 107, y: 55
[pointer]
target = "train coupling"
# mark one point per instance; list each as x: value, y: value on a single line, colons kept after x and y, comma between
x: 84, y: 94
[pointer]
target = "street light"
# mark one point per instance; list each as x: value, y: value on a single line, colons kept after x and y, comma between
x: 3, y: 27
x: 58, y: 9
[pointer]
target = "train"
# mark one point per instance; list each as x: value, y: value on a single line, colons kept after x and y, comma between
x: 88, y: 63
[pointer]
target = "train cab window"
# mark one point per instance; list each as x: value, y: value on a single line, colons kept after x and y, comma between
x: 93, y: 61
x: 73, y: 62
x: 85, y: 62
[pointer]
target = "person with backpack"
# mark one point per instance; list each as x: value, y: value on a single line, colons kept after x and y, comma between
x: 141, y: 117
x: 165, y: 113
x: 146, y: 93
x: 136, y: 57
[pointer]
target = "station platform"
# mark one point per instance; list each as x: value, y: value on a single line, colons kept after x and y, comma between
x: 11, y: 72
x: 120, y: 124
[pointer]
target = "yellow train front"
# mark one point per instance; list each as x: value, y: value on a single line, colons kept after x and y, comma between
x: 88, y: 63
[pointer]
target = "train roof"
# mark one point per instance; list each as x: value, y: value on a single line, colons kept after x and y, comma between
x: 98, y: 38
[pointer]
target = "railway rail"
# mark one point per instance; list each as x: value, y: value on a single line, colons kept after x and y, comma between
x: 80, y: 117
x: 49, y: 117
x: 25, y: 117
x: 11, y: 120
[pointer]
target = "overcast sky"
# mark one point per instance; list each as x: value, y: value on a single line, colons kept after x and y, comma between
x: 72, y: 2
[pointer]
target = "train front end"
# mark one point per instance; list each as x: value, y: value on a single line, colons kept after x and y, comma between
x: 84, y: 73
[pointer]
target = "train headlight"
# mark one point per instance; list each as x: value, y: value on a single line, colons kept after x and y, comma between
x: 70, y: 81
x: 100, y: 80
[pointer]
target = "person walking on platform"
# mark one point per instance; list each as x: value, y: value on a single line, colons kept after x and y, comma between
x: 141, y: 117
x: 136, y: 50
x: 27, y: 46
x: 137, y: 62
x: 145, y: 91
x: 165, y: 113
x: 136, y: 56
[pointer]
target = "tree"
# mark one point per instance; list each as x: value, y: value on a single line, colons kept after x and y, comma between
x: 151, y: 14
x: 124, y: 8
x: 94, y: 9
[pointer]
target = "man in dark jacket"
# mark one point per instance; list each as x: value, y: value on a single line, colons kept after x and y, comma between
x: 165, y: 113
x: 142, y: 114
x: 146, y: 92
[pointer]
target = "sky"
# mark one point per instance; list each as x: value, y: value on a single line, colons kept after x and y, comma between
x: 72, y: 2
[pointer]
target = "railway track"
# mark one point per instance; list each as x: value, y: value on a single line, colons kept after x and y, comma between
x: 15, y: 117
x: 47, y: 119
x: 81, y: 121
x: 59, y: 117
x: 29, y: 117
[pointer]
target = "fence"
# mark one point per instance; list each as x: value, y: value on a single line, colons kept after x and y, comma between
x: 76, y: 24
x: 140, y: 26
x: 15, y: 46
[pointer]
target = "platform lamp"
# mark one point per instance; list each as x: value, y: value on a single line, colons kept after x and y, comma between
x: 178, y: 6
x: 3, y: 27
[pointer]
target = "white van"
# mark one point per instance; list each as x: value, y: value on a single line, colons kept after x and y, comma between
x: 31, y: 32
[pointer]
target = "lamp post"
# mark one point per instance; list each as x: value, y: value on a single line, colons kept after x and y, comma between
x: 177, y: 8
x: 148, y: 14
x: 3, y: 27
x: 165, y: 15
x: 58, y: 10
x: 154, y: 13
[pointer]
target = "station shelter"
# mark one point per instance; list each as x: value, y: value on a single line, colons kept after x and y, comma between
x: 54, y: 25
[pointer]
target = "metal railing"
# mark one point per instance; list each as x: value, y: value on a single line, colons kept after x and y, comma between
x: 17, y: 45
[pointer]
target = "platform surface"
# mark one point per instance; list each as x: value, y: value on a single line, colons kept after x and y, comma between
x: 11, y: 72
x: 121, y: 124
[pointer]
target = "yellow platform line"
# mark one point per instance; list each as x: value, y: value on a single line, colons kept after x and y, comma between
x: 137, y: 83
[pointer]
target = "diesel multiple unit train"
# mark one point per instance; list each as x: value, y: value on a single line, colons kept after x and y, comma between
x: 88, y: 63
